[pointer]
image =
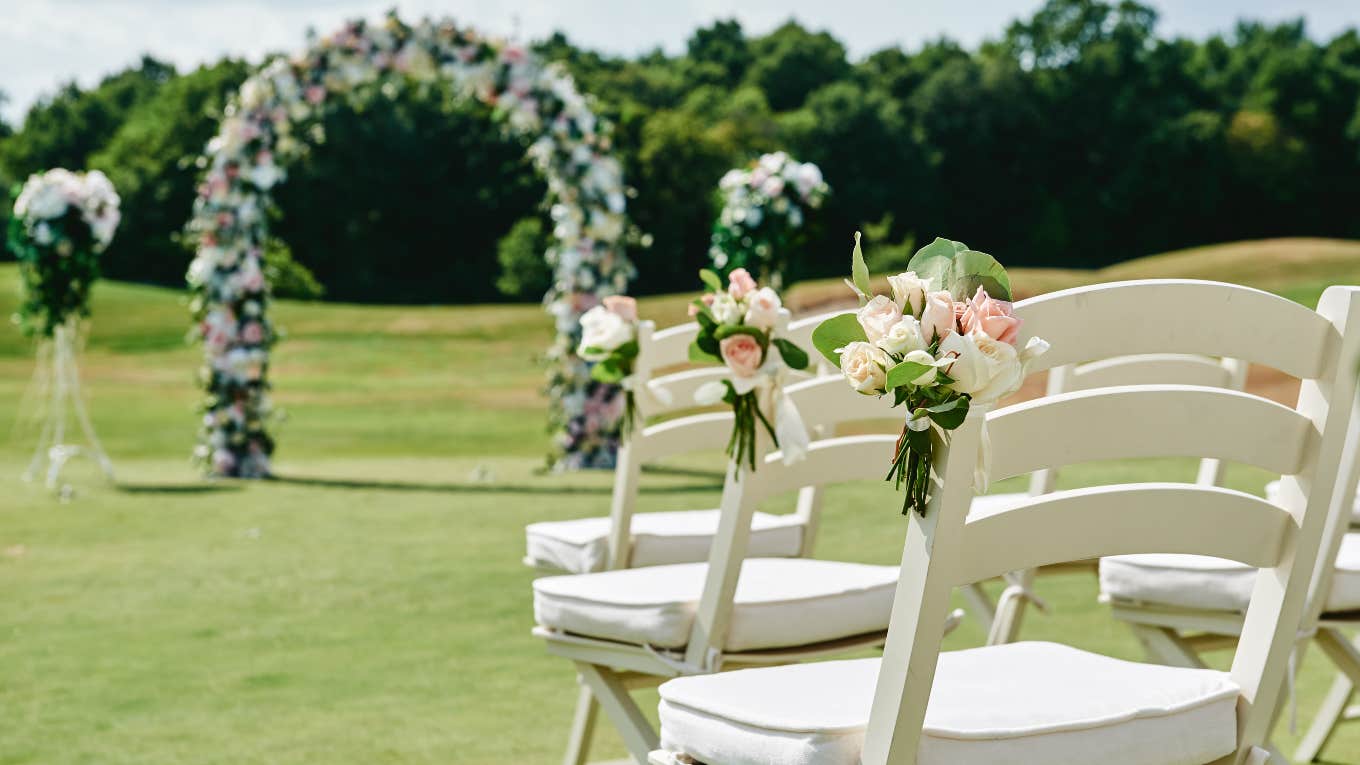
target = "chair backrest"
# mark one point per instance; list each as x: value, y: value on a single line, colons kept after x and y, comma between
x: 1145, y: 369
x: 1311, y: 445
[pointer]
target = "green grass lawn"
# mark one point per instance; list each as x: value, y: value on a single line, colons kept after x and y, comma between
x: 370, y: 607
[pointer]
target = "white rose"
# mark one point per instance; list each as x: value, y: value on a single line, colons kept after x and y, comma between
x: 909, y: 291
x: 865, y: 367
x: 726, y: 310
x: 937, y: 316
x: 763, y: 310
x: 903, y: 337
x: 602, y: 330
x: 878, y: 316
x: 44, y: 201
x: 773, y: 186
x: 985, y: 368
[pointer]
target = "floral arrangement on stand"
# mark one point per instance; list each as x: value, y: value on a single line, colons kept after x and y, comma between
x: 273, y: 119
x: 62, y: 222
x: 738, y: 327
x: 763, y: 206
x: 944, y: 342
x: 609, y: 342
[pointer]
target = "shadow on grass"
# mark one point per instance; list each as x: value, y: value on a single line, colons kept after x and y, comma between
x: 176, y: 488
x: 477, y: 488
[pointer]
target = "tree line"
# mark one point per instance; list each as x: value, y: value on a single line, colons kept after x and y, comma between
x: 1077, y: 137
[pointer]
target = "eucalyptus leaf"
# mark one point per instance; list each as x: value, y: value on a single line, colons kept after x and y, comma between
x: 794, y: 356
x: 607, y: 371
x: 951, y: 265
x: 628, y: 350
x: 837, y: 332
x: 711, y: 279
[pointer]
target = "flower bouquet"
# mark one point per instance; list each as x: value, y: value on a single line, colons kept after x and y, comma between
x: 737, y: 328
x: 62, y: 222
x: 943, y: 342
x: 763, y: 205
x: 609, y: 341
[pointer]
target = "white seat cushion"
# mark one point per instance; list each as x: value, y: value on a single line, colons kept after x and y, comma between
x: 780, y: 602
x: 1273, y: 494
x: 1215, y: 584
x: 1019, y: 704
x: 683, y: 536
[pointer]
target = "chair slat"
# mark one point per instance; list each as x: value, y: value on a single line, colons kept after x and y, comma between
x: 699, y: 432
x: 829, y: 460
x: 1148, y: 421
x: 1177, y: 316
x: 670, y: 346
x: 1122, y: 519
x: 1150, y: 369
x: 680, y: 386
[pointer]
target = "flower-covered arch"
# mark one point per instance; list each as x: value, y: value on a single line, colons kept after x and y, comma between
x: 272, y: 121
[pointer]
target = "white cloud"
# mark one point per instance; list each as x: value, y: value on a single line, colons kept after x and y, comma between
x: 46, y: 42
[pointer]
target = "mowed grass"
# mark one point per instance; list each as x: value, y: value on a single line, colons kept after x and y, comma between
x: 370, y: 607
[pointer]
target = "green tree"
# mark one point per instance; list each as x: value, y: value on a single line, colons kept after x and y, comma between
x: 791, y: 62
x: 150, y: 160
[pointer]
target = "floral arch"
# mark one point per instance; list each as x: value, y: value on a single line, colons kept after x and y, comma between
x: 272, y: 121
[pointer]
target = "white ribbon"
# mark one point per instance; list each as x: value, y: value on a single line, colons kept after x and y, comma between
x: 982, y: 470
x: 660, y: 394
x: 768, y: 383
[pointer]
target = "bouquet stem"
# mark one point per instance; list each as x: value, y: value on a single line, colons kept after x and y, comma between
x: 741, y: 447
x: 911, y: 468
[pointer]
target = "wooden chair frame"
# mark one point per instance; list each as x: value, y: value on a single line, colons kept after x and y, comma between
x: 1312, y: 446
x: 609, y: 670
x: 1003, y: 618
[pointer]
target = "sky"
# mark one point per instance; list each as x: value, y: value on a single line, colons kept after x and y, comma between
x: 44, y: 43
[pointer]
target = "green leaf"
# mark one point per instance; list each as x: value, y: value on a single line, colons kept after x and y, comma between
x: 837, y: 332
x: 727, y: 330
x: 951, y: 265
x: 591, y: 350
x: 711, y: 279
x: 706, y: 320
x: 698, y: 355
x: 950, y: 414
x: 859, y: 270
x: 905, y: 372
x: 919, y: 440
x: 794, y: 356
x: 607, y: 371
x: 628, y: 350
x: 978, y: 269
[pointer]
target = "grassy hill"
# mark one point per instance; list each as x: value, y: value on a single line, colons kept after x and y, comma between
x: 370, y: 606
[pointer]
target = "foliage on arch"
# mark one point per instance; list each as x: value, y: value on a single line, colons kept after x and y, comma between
x: 273, y: 120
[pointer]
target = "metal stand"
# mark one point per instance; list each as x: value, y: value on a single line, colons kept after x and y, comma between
x: 57, y: 379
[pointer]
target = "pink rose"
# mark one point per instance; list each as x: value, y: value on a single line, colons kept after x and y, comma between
x: 252, y: 333
x: 315, y: 94
x: 992, y: 317
x: 740, y: 283
x: 742, y: 354
x: 625, y: 307
x: 937, y: 317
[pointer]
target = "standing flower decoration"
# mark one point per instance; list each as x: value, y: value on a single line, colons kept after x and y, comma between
x: 943, y: 342
x: 737, y: 328
x: 764, y: 206
x: 609, y: 342
x: 62, y: 222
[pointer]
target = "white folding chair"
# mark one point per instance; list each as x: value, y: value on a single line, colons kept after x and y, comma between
x: 1041, y: 703
x: 626, y: 539
x: 627, y: 628
x: 1002, y: 619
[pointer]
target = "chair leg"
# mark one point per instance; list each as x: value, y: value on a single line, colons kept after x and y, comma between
x: 1329, y: 715
x: 979, y: 605
x: 582, y: 728
x: 1165, y: 646
x: 618, y: 705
